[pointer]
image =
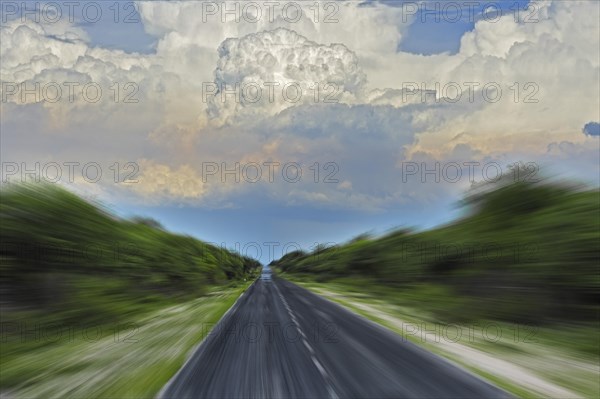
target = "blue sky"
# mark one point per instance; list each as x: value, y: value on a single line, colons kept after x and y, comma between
x: 127, y: 36
x: 288, y: 227
x: 375, y: 129
x: 431, y: 32
x: 438, y: 32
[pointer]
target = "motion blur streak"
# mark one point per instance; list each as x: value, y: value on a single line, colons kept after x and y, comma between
x: 315, y: 349
x: 98, y: 306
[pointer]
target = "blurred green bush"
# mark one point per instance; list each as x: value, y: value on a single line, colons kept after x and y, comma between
x: 525, y: 252
x: 71, y: 259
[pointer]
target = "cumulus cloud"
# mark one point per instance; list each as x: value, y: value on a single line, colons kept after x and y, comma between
x: 378, y: 122
x: 30, y: 48
x: 273, y: 70
x: 163, y: 183
x: 547, y: 72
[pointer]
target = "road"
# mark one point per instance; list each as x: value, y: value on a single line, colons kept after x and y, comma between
x: 282, y: 341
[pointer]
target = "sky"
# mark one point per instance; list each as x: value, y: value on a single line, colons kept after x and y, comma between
x: 254, y: 126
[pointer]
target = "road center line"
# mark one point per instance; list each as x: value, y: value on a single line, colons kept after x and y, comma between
x: 315, y: 361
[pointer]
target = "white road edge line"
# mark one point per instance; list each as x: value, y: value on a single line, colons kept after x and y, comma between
x: 192, y: 352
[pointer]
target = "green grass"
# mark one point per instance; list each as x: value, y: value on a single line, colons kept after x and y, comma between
x: 551, y: 353
x: 106, y: 368
x: 70, y: 267
x: 522, y: 253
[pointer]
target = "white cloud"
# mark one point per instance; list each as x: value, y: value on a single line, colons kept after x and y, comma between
x: 376, y: 126
x: 163, y: 183
x: 274, y: 70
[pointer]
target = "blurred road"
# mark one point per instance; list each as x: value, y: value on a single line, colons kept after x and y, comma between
x: 282, y: 341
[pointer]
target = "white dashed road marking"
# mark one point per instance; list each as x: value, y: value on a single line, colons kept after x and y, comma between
x: 315, y: 361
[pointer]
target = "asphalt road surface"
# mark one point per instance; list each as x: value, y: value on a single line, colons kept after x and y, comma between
x: 282, y: 341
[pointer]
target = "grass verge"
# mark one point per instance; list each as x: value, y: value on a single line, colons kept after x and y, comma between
x: 527, y: 362
x: 132, y: 361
